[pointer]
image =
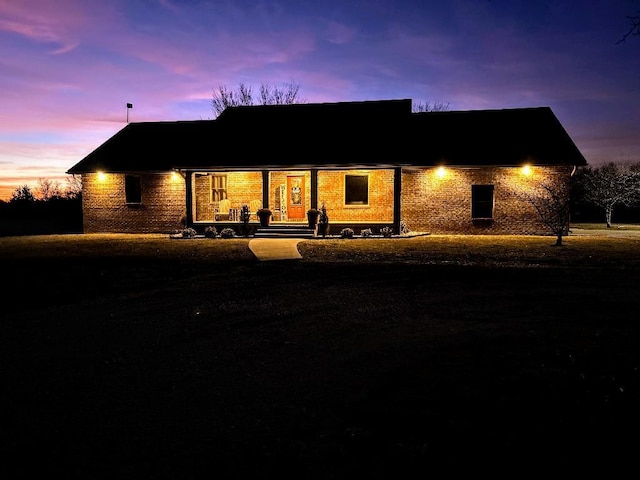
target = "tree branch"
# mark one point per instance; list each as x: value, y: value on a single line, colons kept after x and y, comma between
x: 634, y: 30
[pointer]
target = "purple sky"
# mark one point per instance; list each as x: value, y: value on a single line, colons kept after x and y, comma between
x: 69, y: 67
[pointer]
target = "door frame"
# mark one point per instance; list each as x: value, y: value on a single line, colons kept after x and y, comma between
x: 301, y: 206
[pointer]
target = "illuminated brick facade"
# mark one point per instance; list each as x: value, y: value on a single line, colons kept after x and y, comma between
x: 435, y: 204
x: 429, y: 202
x: 331, y: 191
x: 241, y: 188
x: 105, y: 209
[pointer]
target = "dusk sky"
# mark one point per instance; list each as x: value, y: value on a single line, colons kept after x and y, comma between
x: 69, y: 67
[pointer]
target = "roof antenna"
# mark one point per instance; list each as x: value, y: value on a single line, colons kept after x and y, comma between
x: 129, y: 105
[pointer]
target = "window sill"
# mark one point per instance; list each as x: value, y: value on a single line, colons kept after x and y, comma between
x: 482, y: 221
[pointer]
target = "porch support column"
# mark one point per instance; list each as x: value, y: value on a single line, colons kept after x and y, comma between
x: 397, y: 190
x: 314, y: 188
x: 188, y: 198
x: 265, y: 188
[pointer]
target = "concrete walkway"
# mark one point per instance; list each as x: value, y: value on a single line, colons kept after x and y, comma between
x: 275, y: 248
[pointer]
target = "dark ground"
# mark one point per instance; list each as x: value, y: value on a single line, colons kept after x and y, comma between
x: 187, y: 364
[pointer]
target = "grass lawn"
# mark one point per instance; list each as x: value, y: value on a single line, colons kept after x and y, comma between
x: 603, y: 226
x: 143, y: 357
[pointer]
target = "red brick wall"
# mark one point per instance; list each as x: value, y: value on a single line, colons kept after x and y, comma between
x: 429, y: 203
x: 443, y: 204
x: 331, y: 191
x: 105, y: 210
x: 242, y: 187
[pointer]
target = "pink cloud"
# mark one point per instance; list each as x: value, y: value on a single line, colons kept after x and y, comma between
x: 45, y: 22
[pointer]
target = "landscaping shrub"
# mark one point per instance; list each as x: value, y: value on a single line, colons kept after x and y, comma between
x: 227, y: 233
x: 346, y: 233
x: 365, y: 233
x: 210, y: 232
x: 189, y: 233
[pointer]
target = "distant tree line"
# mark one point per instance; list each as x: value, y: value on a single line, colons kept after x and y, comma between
x: 49, y: 209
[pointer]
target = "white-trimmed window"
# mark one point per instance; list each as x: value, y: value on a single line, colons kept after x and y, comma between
x: 218, y: 186
x: 356, y: 189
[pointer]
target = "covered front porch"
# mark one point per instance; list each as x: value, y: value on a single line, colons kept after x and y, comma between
x: 357, y: 198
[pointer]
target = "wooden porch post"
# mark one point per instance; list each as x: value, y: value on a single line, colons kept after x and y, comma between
x: 188, y: 198
x: 397, y: 207
x: 314, y: 188
x: 265, y: 188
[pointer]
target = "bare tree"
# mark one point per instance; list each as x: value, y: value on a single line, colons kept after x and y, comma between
x: 74, y: 187
x: 286, y: 94
x: 610, y: 185
x: 552, y: 202
x: 420, y: 106
x: 224, y: 97
x: 634, y: 28
x: 550, y: 196
x: 48, y: 189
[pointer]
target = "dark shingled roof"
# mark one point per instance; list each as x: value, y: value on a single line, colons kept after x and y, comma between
x: 494, y: 137
x: 150, y: 146
x: 338, y: 134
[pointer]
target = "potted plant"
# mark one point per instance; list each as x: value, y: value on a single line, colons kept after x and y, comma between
x: 245, y: 214
x: 264, y: 214
x: 323, y: 221
x: 312, y: 216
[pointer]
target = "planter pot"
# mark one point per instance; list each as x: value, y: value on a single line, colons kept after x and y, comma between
x: 323, y: 229
x: 312, y: 217
x: 265, y: 220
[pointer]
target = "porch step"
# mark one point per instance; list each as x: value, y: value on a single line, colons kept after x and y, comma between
x: 284, y: 231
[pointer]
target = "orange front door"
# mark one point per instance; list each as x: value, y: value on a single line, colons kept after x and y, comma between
x: 295, y: 197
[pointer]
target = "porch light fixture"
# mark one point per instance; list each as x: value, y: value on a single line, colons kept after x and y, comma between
x: 101, y: 176
x: 526, y: 170
x: 441, y: 172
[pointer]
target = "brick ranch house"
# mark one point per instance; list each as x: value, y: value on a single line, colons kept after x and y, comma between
x: 372, y: 164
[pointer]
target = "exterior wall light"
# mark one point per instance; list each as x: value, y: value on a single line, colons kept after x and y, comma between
x: 441, y: 172
x: 526, y: 170
x: 101, y: 176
